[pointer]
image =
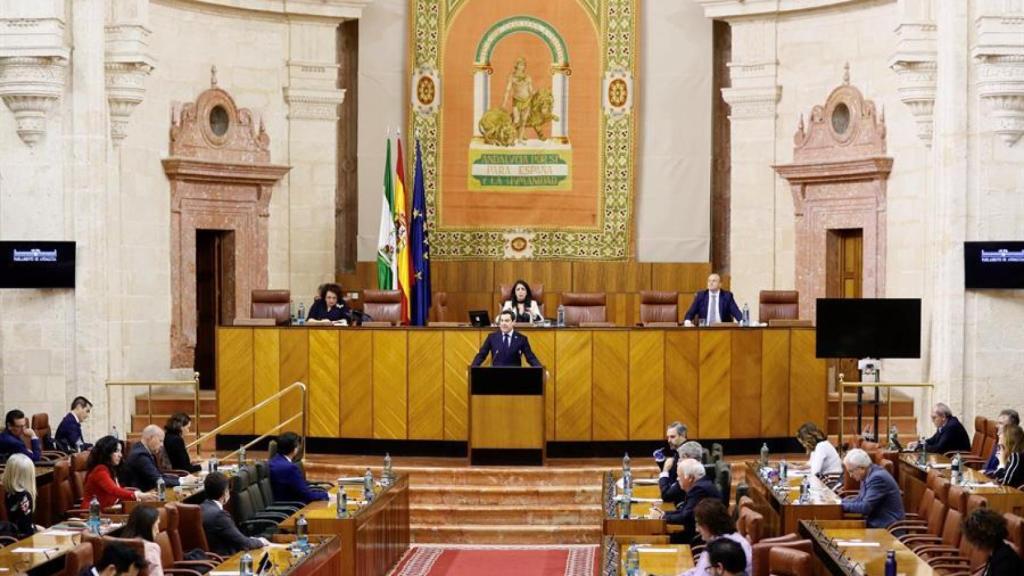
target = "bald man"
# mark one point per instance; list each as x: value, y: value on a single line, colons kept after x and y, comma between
x: 713, y: 305
x: 139, y: 469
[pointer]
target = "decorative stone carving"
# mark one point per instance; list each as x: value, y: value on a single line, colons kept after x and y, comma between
x: 312, y: 93
x: 128, y: 63
x: 221, y: 179
x: 1000, y: 79
x: 915, y: 64
x: 755, y: 93
x: 838, y: 178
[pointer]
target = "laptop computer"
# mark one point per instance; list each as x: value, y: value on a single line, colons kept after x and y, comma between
x: 479, y: 318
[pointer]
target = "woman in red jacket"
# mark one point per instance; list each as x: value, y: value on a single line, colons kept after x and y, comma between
x: 101, y: 476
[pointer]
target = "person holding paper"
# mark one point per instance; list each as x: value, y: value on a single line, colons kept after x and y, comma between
x: 879, y: 499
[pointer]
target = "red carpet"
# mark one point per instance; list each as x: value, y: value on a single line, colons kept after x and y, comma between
x: 498, y: 561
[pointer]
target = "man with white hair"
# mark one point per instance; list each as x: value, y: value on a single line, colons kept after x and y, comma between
x: 139, y: 469
x: 950, y: 434
x: 879, y: 498
x: 697, y: 487
x: 668, y: 479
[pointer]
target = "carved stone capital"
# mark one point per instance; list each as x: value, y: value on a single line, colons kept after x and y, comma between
x: 313, y: 104
x: 30, y: 86
x: 752, y: 102
x: 126, y: 88
x: 1000, y: 79
x: 915, y: 65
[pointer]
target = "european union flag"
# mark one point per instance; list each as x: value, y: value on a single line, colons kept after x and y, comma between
x: 420, y: 244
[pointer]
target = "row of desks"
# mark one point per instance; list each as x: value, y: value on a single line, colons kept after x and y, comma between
x: 913, y: 477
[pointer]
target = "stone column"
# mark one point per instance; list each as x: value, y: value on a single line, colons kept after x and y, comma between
x: 753, y: 97
x: 560, y: 94
x: 128, y: 62
x: 481, y: 96
x: 915, y: 63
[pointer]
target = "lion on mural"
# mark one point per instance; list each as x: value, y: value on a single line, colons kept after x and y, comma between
x: 497, y: 127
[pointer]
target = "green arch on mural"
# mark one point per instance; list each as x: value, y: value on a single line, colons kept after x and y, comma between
x: 530, y: 25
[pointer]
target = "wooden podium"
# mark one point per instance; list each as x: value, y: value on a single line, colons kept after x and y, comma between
x: 506, y: 415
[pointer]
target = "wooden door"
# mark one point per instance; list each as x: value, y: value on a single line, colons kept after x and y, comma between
x: 844, y: 277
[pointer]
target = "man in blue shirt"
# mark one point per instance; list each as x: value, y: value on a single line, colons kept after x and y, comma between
x: 11, y: 439
x: 1008, y: 416
x: 879, y: 499
x: 286, y: 480
x: 69, y: 434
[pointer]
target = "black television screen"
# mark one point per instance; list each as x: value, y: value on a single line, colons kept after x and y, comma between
x: 37, y: 264
x: 994, y: 264
x: 869, y: 328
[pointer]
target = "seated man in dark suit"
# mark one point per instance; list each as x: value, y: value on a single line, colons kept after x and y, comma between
x: 950, y: 434
x: 286, y: 480
x: 117, y: 560
x: 668, y: 479
x: 506, y: 346
x: 11, y: 439
x: 139, y: 469
x: 675, y: 436
x: 713, y: 305
x: 222, y: 534
x: 69, y: 433
x: 1008, y: 417
x: 697, y: 487
x: 879, y: 499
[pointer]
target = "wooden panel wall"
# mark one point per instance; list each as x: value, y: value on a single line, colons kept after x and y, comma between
x: 603, y: 384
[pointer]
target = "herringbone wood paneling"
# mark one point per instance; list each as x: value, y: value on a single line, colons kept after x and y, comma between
x: 542, y: 342
x: 294, y: 344
x: 460, y: 346
x: 235, y: 377
x: 611, y: 385
x: 426, y: 385
x: 390, y: 395
x: 266, y: 377
x: 356, y: 384
x: 573, y: 391
x: 745, y: 374
x: 775, y: 383
x: 324, y: 371
x: 715, y: 383
x: 682, y: 378
x: 646, y: 384
x: 807, y: 398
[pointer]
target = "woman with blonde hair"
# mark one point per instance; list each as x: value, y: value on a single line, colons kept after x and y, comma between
x: 824, y: 458
x: 20, y: 493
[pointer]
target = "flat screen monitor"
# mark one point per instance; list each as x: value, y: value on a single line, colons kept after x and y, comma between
x: 37, y: 264
x: 996, y: 265
x: 869, y: 328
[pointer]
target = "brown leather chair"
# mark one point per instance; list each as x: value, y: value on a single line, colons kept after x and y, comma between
x: 505, y: 294
x: 750, y: 525
x: 191, y: 534
x: 98, y: 545
x: 78, y: 472
x: 778, y: 304
x: 441, y: 306
x: 41, y: 426
x: 658, y: 307
x: 78, y: 559
x: 759, y: 551
x: 383, y: 305
x: 584, y: 307
x: 785, y: 561
x: 275, y: 304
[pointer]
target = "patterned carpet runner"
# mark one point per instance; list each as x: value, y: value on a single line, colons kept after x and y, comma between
x: 465, y: 560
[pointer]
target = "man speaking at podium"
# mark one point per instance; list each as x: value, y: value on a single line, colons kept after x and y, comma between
x: 507, y: 347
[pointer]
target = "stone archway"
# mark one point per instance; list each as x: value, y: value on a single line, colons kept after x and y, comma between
x: 221, y: 179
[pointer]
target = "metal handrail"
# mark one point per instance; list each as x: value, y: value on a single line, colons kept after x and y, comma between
x: 888, y: 398
x: 251, y: 410
x: 194, y: 383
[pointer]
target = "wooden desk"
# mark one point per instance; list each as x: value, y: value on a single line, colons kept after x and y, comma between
x: 913, y: 480
x: 49, y: 562
x: 605, y: 385
x: 875, y: 542
x: 321, y: 561
x: 637, y: 524
x: 45, y: 512
x: 660, y: 559
x: 782, y: 509
x: 372, y: 538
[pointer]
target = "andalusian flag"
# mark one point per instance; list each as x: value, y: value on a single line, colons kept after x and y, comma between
x: 386, y: 242
x: 402, y: 235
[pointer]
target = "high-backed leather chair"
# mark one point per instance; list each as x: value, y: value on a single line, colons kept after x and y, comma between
x: 41, y: 426
x: 785, y: 561
x: 441, y: 306
x: 78, y: 559
x: 779, y: 305
x: 505, y: 294
x: 78, y: 472
x: 275, y: 304
x: 584, y: 307
x: 750, y: 524
x: 383, y: 305
x: 658, y: 307
x: 760, y: 551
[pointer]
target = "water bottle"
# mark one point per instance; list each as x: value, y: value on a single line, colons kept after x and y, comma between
x: 302, y: 532
x: 894, y: 439
x: 114, y: 433
x: 746, y: 315
x: 560, y: 318
x: 627, y: 500
x: 78, y: 445
x: 957, y: 470
x: 302, y: 314
x: 241, y: 455
x: 783, y: 469
x: 388, y: 474
x: 245, y: 565
x: 94, y: 516
x: 632, y: 561
x: 805, y: 490
x: 214, y: 464
x: 764, y: 455
x: 368, y: 486
x: 922, y: 458
x: 161, y: 489
x: 342, y: 502
x: 890, y: 563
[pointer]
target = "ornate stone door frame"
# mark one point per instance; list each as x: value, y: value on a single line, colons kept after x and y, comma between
x: 221, y: 179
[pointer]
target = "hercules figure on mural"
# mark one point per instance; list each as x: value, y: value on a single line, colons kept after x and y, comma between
x: 530, y: 109
x: 520, y: 88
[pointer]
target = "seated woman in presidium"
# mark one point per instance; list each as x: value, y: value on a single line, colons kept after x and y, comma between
x: 329, y: 308
x: 522, y: 303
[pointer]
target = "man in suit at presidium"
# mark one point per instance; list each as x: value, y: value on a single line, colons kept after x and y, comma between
x: 713, y: 305
x: 507, y: 347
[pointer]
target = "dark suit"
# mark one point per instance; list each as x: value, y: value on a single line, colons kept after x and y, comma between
x: 879, y: 499
x: 511, y: 355
x: 701, y: 489
x: 174, y: 446
x: 952, y: 436
x: 318, y: 311
x: 1004, y: 562
x: 222, y: 534
x: 287, y: 483
x: 69, y: 434
x: 11, y: 444
x: 728, y: 311
x: 140, y: 471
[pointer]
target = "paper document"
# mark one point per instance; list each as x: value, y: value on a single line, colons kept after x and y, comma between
x: 26, y: 550
x: 351, y: 480
x: 621, y: 498
x: 981, y: 484
x: 646, y: 550
x: 857, y: 544
x: 57, y: 532
x: 638, y: 482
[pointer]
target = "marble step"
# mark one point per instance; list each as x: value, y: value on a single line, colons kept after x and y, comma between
x: 589, y: 494
x: 505, y: 534
x: 476, y: 515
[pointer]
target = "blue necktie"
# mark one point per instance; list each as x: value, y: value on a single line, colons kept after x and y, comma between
x: 506, y: 343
